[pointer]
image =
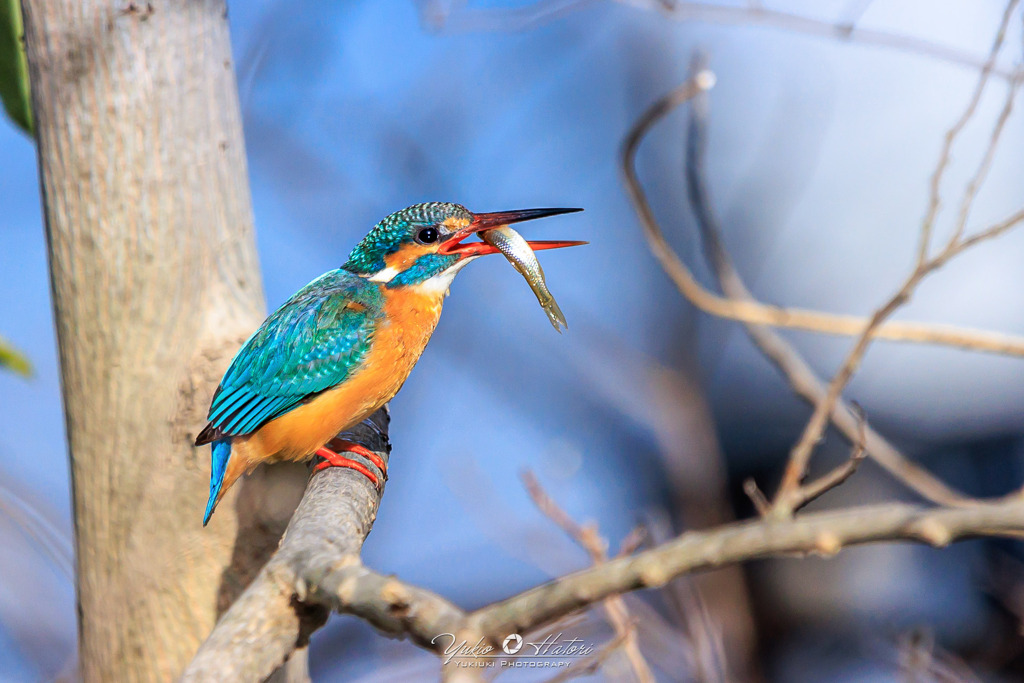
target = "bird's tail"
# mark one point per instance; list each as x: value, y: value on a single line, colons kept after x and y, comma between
x: 218, y: 465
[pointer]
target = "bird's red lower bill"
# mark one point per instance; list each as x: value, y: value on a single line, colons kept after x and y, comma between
x: 482, y: 248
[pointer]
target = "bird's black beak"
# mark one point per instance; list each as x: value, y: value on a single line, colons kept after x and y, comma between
x: 497, y: 219
x: 486, y: 221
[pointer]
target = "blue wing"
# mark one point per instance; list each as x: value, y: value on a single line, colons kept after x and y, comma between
x: 313, y: 342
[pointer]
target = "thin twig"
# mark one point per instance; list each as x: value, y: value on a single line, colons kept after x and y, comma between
x: 934, y: 187
x: 705, y: 656
x: 761, y: 503
x: 590, y: 540
x: 835, y: 477
x: 586, y: 667
x: 633, y: 540
x: 852, y: 13
x: 986, y: 163
x: 922, y: 661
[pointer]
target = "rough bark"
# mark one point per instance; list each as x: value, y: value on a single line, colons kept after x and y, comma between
x: 155, y: 284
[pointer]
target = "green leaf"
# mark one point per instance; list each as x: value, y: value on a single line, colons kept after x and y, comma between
x: 14, y: 85
x: 14, y: 360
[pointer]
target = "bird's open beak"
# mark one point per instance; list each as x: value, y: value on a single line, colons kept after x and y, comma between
x: 486, y: 221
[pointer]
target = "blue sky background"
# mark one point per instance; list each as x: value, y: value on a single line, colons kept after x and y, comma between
x: 819, y: 158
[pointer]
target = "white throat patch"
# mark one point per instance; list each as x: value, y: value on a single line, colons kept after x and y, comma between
x: 440, y: 283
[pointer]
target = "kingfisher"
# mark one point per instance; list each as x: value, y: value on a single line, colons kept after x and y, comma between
x: 344, y: 344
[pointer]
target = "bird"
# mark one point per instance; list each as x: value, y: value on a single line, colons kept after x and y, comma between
x: 343, y: 345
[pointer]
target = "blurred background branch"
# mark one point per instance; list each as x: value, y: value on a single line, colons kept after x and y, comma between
x: 825, y: 402
x: 782, y: 354
x: 459, y: 16
x: 751, y: 312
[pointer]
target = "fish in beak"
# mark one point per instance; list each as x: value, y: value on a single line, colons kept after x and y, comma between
x: 454, y: 243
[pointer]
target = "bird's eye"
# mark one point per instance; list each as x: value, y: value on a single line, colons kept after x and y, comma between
x: 427, y: 236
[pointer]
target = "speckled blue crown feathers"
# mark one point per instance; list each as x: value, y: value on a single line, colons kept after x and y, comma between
x: 387, y: 236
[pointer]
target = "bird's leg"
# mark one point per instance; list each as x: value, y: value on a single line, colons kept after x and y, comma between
x: 332, y: 457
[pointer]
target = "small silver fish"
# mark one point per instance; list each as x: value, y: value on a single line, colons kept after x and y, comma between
x: 518, y: 252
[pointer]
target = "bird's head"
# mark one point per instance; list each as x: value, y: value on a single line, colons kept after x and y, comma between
x: 424, y: 244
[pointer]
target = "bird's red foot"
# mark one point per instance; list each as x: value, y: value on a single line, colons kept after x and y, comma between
x: 332, y: 457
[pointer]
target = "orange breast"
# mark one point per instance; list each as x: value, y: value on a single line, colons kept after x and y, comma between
x: 397, y: 345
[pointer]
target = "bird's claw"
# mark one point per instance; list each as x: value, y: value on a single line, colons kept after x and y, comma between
x: 332, y: 457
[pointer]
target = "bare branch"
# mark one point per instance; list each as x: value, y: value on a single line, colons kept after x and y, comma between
x: 956, y: 241
x: 786, y: 358
x: 845, y: 31
x: 809, y: 492
x: 796, y: 370
x: 800, y: 455
x: 852, y: 12
x: 677, y: 270
x: 753, y: 312
x: 825, y: 533
x: 633, y: 540
x: 268, y: 621
x: 589, y: 538
x: 920, y: 659
x: 757, y: 497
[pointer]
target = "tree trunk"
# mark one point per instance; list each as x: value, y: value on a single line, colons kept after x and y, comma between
x: 155, y: 284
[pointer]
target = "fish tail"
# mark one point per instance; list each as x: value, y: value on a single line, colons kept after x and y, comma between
x: 555, y: 314
x: 221, y: 452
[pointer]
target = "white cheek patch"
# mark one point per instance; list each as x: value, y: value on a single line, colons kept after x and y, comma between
x: 385, y: 275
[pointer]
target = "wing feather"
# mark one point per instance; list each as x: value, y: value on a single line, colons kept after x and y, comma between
x: 315, y: 341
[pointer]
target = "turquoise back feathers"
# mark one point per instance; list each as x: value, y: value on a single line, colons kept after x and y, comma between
x: 313, y: 342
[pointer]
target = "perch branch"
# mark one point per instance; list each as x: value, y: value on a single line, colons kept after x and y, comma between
x: 268, y: 621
